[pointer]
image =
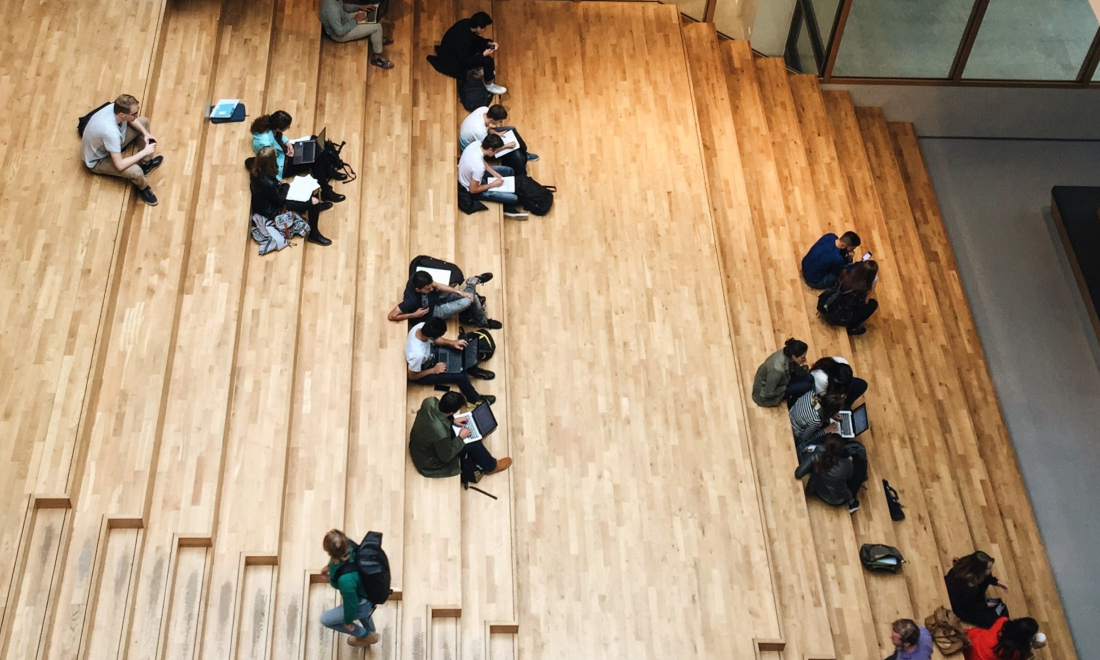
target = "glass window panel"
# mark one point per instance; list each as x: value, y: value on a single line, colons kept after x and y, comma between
x: 696, y: 9
x: 825, y: 12
x: 1032, y: 40
x: 731, y: 17
x: 902, y: 38
x: 805, y: 49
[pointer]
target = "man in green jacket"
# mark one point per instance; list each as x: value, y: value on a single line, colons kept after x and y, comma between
x: 437, y: 451
x: 356, y: 605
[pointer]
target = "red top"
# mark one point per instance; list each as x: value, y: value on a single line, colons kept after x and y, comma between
x: 983, y: 641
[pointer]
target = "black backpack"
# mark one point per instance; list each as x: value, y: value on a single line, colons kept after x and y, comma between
x: 82, y: 123
x: 424, y: 261
x: 486, y: 345
x: 373, y: 567
x: 881, y: 558
x: 473, y: 95
x: 836, y: 306
x: 334, y: 164
x: 534, y: 196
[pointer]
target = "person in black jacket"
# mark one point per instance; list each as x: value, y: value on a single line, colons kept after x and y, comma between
x: 967, y: 582
x: 463, y: 49
x: 837, y: 470
x: 269, y: 195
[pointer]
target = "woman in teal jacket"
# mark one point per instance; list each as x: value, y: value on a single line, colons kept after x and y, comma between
x: 267, y: 131
x: 355, y: 605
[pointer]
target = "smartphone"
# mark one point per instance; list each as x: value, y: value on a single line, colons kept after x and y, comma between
x: 866, y: 256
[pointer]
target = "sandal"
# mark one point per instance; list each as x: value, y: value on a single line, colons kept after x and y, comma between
x: 381, y: 63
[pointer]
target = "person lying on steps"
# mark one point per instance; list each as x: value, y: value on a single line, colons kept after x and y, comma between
x: 424, y: 296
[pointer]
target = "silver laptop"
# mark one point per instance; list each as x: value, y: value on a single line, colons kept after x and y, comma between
x: 852, y: 422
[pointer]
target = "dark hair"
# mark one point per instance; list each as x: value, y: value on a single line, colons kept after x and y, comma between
x: 266, y: 163
x: 794, y: 348
x: 908, y: 631
x: 336, y: 545
x: 497, y: 112
x: 829, y: 405
x: 451, y: 402
x: 276, y: 122
x: 851, y: 239
x: 434, y: 328
x: 1014, y: 640
x: 839, y: 379
x: 492, y: 142
x: 421, y: 279
x: 481, y: 20
x: 859, y: 277
x: 832, y: 453
x: 972, y: 568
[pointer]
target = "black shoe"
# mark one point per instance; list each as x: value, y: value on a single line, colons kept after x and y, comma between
x: 483, y: 374
x: 856, y: 331
x: 487, y: 398
x: 491, y: 324
x: 853, y: 506
x: 146, y: 168
x: 332, y: 196
x: 148, y: 196
x: 324, y: 206
x: 484, y: 277
x: 318, y: 239
x: 339, y: 176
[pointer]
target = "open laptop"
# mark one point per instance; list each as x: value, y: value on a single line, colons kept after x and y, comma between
x: 457, y: 360
x: 481, y: 422
x: 305, y: 152
x: 853, y: 422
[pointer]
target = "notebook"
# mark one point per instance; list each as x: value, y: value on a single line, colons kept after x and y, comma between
x: 508, y: 136
x: 509, y: 185
x: 439, y: 276
x: 302, y: 187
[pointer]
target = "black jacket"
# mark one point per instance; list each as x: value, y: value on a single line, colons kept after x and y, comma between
x: 831, y: 487
x: 459, y: 51
x: 268, y: 196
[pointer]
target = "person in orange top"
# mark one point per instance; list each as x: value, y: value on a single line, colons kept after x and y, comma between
x: 1007, y: 639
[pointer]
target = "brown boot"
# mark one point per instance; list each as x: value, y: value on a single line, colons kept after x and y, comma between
x: 363, y: 642
x: 502, y: 465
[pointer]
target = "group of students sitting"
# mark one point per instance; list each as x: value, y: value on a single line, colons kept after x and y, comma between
x: 848, y: 286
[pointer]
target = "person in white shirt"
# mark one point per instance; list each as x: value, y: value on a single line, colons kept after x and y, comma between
x: 490, y: 119
x: 108, y: 132
x: 831, y: 375
x: 418, y: 358
x: 481, y: 179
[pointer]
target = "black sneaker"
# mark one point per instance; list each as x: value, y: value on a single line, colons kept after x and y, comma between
x: 332, y: 196
x: 491, y: 324
x: 857, y: 331
x: 487, y: 398
x: 532, y: 157
x: 853, y: 506
x: 146, y: 168
x: 339, y: 176
x: 484, y: 277
x: 324, y: 206
x: 148, y: 196
x: 483, y: 374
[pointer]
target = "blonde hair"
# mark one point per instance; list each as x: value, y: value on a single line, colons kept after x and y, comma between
x: 336, y: 545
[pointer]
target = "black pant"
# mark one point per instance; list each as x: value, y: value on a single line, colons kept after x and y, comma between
x: 856, y: 388
x: 858, y: 454
x: 798, y: 386
x: 486, y: 64
x: 316, y: 169
x: 862, y: 312
x: 481, y: 457
x: 311, y: 211
x: 517, y: 160
x: 460, y: 379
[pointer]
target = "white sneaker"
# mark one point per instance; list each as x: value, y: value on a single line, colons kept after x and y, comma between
x: 494, y: 88
x: 515, y: 214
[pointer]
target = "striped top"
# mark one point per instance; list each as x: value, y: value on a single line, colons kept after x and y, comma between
x: 805, y: 419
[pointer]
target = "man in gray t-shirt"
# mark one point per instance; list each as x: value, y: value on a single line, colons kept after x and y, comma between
x: 110, y: 130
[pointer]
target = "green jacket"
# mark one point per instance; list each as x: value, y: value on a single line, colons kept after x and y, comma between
x: 433, y: 444
x: 771, y: 380
x: 349, y: 585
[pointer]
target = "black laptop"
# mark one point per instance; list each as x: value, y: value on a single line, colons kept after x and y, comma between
x: 457, y: 360
x: 305, y: 152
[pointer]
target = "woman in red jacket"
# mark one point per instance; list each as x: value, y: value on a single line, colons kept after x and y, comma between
x: 1007, y: 639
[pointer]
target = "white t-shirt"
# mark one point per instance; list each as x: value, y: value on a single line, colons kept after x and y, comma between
x: 821, y: 379
x: 471, y: 167
x: 102, y: 136
x: 416, y: 351
x: 473, y: 128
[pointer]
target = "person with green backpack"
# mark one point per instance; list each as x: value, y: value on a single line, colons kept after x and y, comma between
x: 356, y: 606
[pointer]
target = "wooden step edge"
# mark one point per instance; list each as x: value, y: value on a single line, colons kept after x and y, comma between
x: 444, y: 612
x: 502, y: 627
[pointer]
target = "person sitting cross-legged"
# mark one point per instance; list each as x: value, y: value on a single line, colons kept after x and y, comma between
x: 482, y: 179
x: 437, y: 450
x: 423, y: 369
x: 109, y: 131
x: 424, y: 296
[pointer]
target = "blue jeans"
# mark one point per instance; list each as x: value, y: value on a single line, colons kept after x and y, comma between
x: 334, y: 619
x: 507, y: 199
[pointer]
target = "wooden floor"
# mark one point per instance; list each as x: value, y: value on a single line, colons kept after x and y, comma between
x: 182, y: 420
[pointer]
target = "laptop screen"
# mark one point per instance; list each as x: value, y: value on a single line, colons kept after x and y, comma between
x: 484, y: 418
x: 859, y: 419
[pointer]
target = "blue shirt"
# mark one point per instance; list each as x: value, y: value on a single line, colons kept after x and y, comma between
x: 267, y: 139
x: 923, y: 650
x: 823, y: 259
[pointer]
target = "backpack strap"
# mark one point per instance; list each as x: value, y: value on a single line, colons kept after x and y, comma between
x: 344, y: 569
